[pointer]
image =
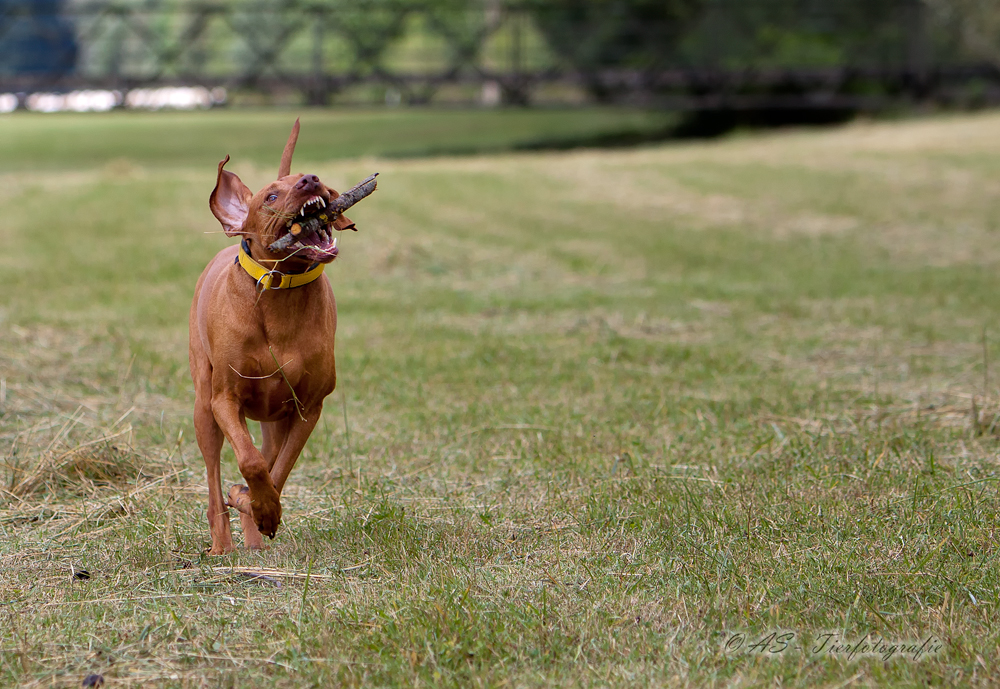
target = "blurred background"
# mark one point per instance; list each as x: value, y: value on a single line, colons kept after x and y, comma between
x: 720, y: 62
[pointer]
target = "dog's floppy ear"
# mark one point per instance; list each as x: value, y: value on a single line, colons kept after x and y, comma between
x: 230, y: 200
x: 344, y: 223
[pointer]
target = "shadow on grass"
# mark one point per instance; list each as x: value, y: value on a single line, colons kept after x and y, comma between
x: 701, y: 124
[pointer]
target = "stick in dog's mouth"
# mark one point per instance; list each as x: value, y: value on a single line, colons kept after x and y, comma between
x: 316, y: 217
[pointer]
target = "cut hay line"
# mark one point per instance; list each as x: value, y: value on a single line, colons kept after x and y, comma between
x: 269, y: 573
x: 508, y: 427
x: 128, y: 599
x: 980, y: 414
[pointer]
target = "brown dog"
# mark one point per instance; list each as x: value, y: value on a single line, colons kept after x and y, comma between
x: 262, y: 327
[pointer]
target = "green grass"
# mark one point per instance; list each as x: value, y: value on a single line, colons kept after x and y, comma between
x: 151, y: 140
x: 597, y: 411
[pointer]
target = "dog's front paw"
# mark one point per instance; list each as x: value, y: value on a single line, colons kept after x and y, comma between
x: 221, y: 549
x: 266, y: 511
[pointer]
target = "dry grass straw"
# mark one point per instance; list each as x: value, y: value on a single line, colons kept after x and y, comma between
x: 62, y: 434
x: 60, y: 453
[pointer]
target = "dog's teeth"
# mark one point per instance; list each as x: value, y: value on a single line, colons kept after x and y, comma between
x: 335, y: 242
x: 323, y: 202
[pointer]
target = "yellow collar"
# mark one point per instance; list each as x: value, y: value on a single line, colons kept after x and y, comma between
x: 275, y: 279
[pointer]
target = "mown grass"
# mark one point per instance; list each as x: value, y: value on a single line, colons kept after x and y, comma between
x: 597, y: 412
x: 196, y: 138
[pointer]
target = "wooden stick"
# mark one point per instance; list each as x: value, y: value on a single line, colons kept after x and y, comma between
x: 335, y: 208
x: 354, y: 194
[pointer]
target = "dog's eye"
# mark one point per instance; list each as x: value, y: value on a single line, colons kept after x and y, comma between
x: 272, y: 197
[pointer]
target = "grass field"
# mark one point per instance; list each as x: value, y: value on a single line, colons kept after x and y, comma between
x: 599, y: 412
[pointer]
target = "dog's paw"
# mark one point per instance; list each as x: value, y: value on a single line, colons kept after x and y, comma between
x: 221, y: 549
x: 239, y: 499
x: 266, y: 512
x: 267, y: 519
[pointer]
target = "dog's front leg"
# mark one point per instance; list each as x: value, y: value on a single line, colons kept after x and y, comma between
x: 209, y: 437
x: 264, y: 500
x: 274, y: 434
x: 283, y: 443
x: 297, y: 432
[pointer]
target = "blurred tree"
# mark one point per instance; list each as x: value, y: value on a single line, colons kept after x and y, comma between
x: 975, y: 24
x: 370, y: 27
x: 35, y: 39
x: 599, y: 34
x: 464, y: 25
x: 739, y: 34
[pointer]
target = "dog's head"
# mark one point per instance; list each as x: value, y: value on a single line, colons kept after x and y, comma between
x: 291, y: 205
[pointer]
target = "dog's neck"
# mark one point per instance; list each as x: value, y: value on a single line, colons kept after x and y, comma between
x: 277, y: 277
x: 292, y: 265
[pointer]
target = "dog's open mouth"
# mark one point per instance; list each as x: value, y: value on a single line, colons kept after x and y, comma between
x: 309, y: 233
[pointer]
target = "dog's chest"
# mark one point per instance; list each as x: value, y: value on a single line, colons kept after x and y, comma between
x: 287, y: 375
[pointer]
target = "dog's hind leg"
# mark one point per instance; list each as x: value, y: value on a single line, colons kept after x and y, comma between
x: 239, y: 498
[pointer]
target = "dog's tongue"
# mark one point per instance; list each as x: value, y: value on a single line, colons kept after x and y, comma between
x: 311, y: 231
x: 310, y: 228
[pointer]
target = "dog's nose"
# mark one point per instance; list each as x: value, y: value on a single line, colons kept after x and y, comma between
x: 308, y: 183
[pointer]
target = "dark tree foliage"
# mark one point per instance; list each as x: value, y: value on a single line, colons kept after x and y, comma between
x: 464, y: 25
x: 597, y: 34
x: 801, y: 33
x: 653, y: 34
x: 593, y: 35
x: 370, y: 27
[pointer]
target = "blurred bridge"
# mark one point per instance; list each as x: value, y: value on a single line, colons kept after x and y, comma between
x: 744, y: 55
